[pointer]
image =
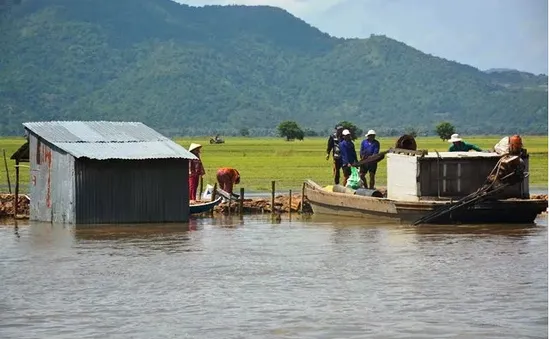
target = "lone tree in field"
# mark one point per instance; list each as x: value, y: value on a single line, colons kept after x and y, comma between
x: 290, y: 130
x: 445, y: 130
x: 354, y: 130
x: 244, y: 132
x: 411, y: 131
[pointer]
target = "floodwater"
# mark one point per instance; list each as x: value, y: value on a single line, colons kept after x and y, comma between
x: 257, y: 278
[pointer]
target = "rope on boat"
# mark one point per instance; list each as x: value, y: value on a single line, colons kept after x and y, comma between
x: 505, y: 173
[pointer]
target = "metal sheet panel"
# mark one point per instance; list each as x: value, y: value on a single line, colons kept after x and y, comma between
x: 93, y: 131
x: 108, y: 140
x: 51, y: 182
x: 127, y: 150
x: 131, y: 191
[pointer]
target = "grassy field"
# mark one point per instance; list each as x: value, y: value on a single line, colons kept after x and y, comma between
x: 261, y: 160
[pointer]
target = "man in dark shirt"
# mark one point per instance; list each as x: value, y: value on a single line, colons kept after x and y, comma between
x: 333, y: 145
x: 460, y: 146
x: 369, y: 146
x: 348, y: 154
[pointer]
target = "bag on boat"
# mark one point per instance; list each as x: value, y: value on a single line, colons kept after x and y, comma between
x: 207, y: 194
x: 503, y: 146
x: 354, y: 181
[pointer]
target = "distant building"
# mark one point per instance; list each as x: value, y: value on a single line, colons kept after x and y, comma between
x: 97, y: 172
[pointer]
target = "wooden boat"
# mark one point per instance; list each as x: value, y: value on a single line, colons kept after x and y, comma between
x: 351, y: 205
x: 205, y: 206
x: 441, y: 188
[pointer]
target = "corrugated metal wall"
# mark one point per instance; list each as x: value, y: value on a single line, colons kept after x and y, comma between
x: 131, y: 191
x: 51, y: 182
x: 462, y: 177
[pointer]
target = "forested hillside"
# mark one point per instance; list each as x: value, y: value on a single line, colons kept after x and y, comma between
x: 188, y: 70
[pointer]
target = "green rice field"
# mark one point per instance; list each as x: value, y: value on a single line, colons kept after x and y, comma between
x: 288, y: 163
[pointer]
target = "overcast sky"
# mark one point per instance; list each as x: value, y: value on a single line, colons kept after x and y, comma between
x: 482, y: 33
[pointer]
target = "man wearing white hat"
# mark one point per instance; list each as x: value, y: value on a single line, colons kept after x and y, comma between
x: 459, y: 145
x: 348, y: 154
x: 369, y: 146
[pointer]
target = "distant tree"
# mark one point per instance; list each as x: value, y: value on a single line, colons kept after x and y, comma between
x: 290, y: 130
x: 310, y: 133
x: 244, y: 132
x: 445, y: 129
x: 411, y: 131
x: 354, y: 130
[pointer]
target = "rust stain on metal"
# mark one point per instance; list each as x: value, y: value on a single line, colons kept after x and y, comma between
x: 48, y: 156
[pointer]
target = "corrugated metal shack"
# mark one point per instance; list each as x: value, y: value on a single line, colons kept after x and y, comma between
x: 97, y: 172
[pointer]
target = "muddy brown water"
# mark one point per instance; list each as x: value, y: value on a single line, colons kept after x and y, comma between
x: 256, y: 278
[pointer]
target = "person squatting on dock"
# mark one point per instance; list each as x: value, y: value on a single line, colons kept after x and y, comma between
x: 196, y: 170
x: 227, y: 177
x: 369, y: 146
x: 348, y: 155
x: 333, y: 144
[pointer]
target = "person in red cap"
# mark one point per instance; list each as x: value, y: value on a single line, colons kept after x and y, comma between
x: 227, y: 177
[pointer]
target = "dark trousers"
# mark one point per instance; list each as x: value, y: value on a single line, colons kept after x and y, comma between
x: 336, y: 167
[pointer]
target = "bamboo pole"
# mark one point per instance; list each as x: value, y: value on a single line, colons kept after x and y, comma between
x: 241, y: 201
x: 16, y: 202
x: 214, y: 191
x: 7, y: 170
x: 289, y: 204
x: 273, y: 197
x: 303, y: 199
x: 213, y: 196
x: 200, y: 190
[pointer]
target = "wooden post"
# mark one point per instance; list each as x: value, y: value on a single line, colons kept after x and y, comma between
x: 229, y: 204
x: 214, y: 191
x: 200, y: 190
x: 289, y: 204
x: 213, y: 196
x: 16, y: 202
x: 303, y: 199
x: 273, y: 197
x: 241, y: 201
x: 7, y: 170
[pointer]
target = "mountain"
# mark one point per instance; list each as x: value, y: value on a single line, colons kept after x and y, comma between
x: 514, y: 78
x: 196, y: 70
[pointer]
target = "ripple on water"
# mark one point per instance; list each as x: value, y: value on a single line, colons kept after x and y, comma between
x: 250, y: 278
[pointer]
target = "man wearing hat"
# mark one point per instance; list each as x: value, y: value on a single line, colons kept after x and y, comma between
x: 459, y: 145
x: 196, y: 170
x: 369, y: 146
x: 333, y: 145
x: 348, y: 155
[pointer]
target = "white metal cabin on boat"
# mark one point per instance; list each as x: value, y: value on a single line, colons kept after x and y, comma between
x: 97, y: 172
x: 444, y: 175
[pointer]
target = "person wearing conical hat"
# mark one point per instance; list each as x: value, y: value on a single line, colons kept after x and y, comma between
x: 196, y: 170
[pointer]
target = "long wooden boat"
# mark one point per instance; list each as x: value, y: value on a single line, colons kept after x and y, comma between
x: 204, y: 207
x: 513, y: 210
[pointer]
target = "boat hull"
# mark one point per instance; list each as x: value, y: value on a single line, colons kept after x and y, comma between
x: 204, y: 207
x: 496, y: 211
